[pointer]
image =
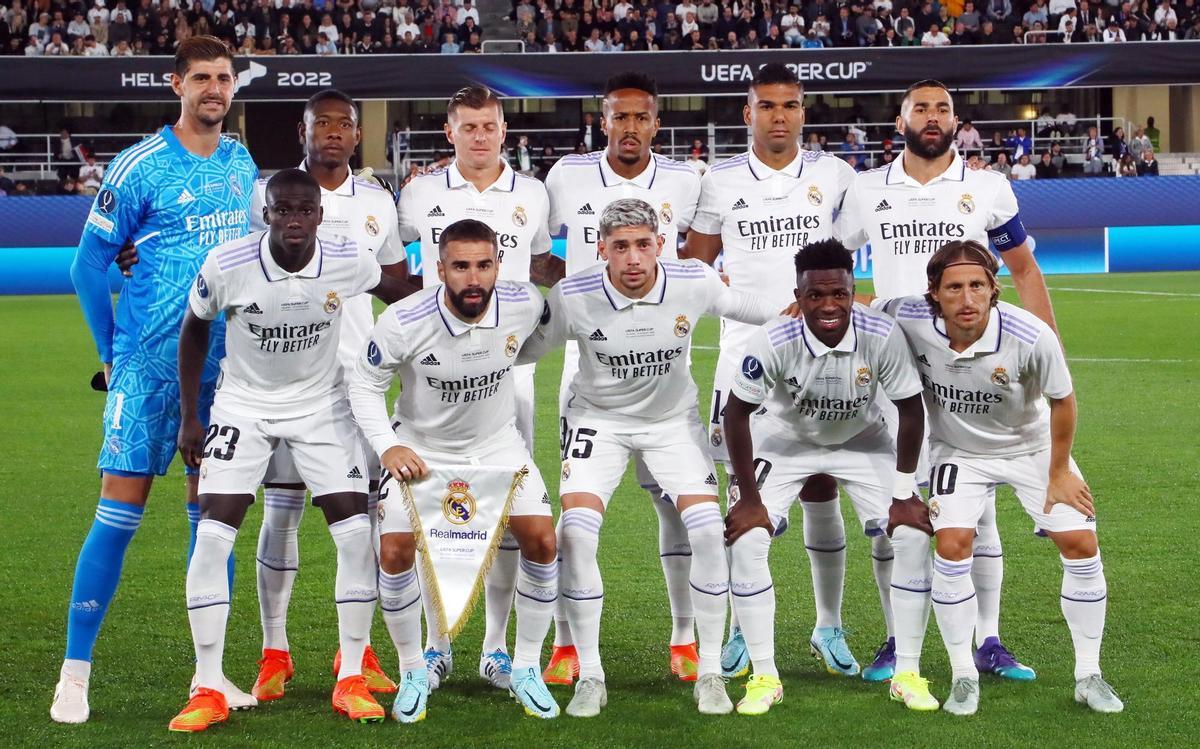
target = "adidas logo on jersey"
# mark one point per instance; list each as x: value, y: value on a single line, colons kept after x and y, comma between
x: 252, y: 309
x: 922, y: 360
x: 430, y: 361
x: 354, y: 473
x: 185, y: 197
x: 598, y: 335
x: 740, y: 204
x: 711, y: 480
x: 437, y: 211
x: 883, y: 206
x: 793, y: 382
x: 586, y: 210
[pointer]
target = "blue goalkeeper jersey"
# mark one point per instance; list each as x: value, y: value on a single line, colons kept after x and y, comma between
x: 175, y: 206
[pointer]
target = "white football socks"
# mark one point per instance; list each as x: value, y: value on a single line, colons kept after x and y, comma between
x: 957, y: 608
x: 208, y: 599
x: 754, y: 597
x: 582, y: 588
x: 881, y: 565
x: 1084, y: 601
x: 825, y: 540
x: 912, y: 578
x: 537, y: 592
x: 499, y: 587
x: 709, y: 580
x: 399, y: 595
x: 988, y: 572
x: 354, y: 589
x: 278, y: 559
x: 675, y: 553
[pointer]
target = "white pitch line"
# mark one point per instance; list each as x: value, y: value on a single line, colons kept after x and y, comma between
x: 1121, y: 291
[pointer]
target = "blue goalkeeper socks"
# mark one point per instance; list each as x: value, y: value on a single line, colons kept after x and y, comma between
x: 97, y: 572
x: 193, y: 513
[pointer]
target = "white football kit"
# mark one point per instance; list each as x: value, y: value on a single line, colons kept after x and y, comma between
x: 823, y: 414
x: 515, y: 206
x: 989, y: 422
x: 457, y: 400
x: 764, y: 216
x: 365, y: 213
x: 281, y: 381
x: 633, y: 393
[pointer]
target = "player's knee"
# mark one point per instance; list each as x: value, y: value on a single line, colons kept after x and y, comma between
x: 1077, y: 544
x: 397, y: 552
x: 819, y: 488
x: 955, y: 544
x: 539, y: 545
x: 229, y: 509
x: 341, y: 505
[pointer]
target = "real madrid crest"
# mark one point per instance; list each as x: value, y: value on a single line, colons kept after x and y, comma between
x: 379, y: 511
x: 935, y: 509
x: 966, y: 204
x: 510, y: 346
x: 814, y: 195
x: 372, y: 226
x: 862, y: 377
x: 332, y: 302
x: 682, y: 326
x: 459, y: 504
x: 665, y: 213
x: 566, y: 470
x: 1000, y: 377
x: 716, y: 437
x: 518, y: 216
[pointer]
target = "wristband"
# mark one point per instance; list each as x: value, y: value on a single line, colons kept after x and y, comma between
x: 905, y: 485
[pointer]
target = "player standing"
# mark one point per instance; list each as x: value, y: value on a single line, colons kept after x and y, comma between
x: 906, y: 210
x: 759, y: 207
x: 480, y: 184
x: 821, y: 379
x: 633, y: 395
x: 176, y: 194
x: 580, y: 187
x: 364, y: 212
x: 453, y: 347
x: 281, y: 384
x: 988, y: 369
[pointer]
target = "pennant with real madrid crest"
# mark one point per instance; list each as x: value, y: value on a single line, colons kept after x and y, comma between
x: 458, y: 514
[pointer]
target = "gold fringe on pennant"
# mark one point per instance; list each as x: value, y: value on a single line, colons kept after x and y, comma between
x: 435, y: 591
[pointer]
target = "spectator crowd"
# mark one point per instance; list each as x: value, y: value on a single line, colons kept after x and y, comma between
x: 99, y: 28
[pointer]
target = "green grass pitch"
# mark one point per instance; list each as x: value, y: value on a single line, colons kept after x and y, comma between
x: 1136, y: 362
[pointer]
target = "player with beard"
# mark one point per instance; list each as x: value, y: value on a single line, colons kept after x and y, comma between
x: 906, y: 210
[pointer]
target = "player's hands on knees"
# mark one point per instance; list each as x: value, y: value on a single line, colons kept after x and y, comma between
x: 191, y: 442
x: 1067, y: 488
x: 911, y: 512
x: 126, y: 259
x: 403, y: 464
x: 743, y: 517
x: 793, y: 311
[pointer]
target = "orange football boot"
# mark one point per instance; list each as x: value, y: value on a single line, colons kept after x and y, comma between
x: 685, y: 661
x: 275, y: 669
x: 563, y: 666
x: 352, y: 699
x: 206, y: 707
x: 377, y: 681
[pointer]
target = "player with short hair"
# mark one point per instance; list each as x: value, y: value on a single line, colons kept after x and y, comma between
x: 580, y: 186
x: 363, y: 211
x: 906, y: 210
x: 821, y: 378
x: 634, y: 396
x: 281, y: 292
x: 176, y: 194
x: 453, y: 347
x: 480, y: 184
x: 988, y: 369
x: 757, y: 208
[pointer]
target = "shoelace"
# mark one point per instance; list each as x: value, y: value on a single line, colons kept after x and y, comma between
x: 1001, y: 658
x: 588, y: 689
x: 499, y: 662
x: 838, y: 638
x: 1101, y: 684
x: 962, y: 689
x: 72, y: 691
x: 883, y: 650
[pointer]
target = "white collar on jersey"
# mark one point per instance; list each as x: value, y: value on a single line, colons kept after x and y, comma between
x: 645, y: 180
x: 272, y: 270
x: 619, y: 301
x: 456, y: 327
x: 848, y: 344
x: 761, y: 171
x: 346, y: 188
x: 506, y: 182
x: 988, y: 343
x: 956, y: 172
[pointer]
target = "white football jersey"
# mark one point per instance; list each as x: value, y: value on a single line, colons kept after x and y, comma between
x: 633, y: 352
x: 456, y: 381
x: 764, y: 216
x: 906, y: 222
x: 822, y: 395
x: 514, y: 206
x: 282, y: 328
x: 364, y: 212
x: 582, y: 186
x: 990, y: 399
